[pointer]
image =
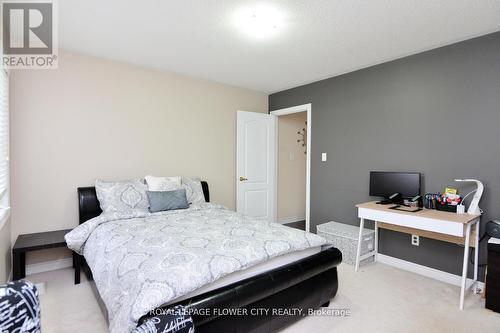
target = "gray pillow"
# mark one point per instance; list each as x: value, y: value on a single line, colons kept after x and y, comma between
x: 160, y: 201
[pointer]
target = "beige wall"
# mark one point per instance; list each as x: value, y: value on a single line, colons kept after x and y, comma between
x: 95, y: 118
x: 5, y: 252
x: 291, y: 167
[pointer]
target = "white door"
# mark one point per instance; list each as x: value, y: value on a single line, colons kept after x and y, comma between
x: 256, y: 165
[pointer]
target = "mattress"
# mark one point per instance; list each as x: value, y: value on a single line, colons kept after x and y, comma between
x: 253, y: 271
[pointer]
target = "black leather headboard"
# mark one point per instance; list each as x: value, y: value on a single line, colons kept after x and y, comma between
x: 88, y: 205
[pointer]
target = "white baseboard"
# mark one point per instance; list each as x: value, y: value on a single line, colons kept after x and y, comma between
x: 423, y: 270
x: 291, y: 219
x: 49, y: 266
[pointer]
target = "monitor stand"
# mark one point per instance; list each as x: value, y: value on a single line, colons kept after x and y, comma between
x: 392, y: 199
x: 385, y: 202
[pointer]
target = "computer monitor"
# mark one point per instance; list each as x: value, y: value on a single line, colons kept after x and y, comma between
x: 384, y: 184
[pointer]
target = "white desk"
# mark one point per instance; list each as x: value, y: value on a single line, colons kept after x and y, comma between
x: 445, y: 226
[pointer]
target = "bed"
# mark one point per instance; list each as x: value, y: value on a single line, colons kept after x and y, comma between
x: 287, y: 284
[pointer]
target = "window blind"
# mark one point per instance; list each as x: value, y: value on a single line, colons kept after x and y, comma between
x: 4, y: 139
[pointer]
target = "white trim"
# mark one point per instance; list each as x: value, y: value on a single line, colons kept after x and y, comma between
x: 291, y: 110
x: 49, y: 266
x: 424, y: 270
x: 296, y: 109
x: 290, y: 219
x: 5, y: 193
x: 4, y: 216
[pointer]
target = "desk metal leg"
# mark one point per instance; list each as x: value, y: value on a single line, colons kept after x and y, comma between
x: 375, y: 257
x: 464, y: 269
x: 358, y: 252
x: 476, y: 256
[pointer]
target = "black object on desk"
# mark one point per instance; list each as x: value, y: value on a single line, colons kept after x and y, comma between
x: 39, y: 241
x: 406, y: 208
x: 395, y: 198
x: 493, y: 277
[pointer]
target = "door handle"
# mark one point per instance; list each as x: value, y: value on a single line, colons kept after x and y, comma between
x: 242, y: 179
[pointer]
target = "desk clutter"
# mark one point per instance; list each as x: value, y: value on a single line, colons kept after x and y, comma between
x: 447, y: 201
x: 403, y: 189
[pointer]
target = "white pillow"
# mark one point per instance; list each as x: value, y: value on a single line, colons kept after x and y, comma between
x: 163, y: 183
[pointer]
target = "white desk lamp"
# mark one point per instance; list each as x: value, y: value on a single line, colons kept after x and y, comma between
x: 474, y: 204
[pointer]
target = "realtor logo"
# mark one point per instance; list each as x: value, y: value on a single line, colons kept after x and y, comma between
x: 29, y: 34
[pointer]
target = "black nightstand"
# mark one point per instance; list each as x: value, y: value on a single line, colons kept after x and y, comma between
x: 39, y: 241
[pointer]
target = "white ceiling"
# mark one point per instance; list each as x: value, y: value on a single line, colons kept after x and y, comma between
x: 317, y: 39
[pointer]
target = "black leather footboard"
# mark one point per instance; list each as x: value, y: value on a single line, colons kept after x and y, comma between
x: 303, y: 285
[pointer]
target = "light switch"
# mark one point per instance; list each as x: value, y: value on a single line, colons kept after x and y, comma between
x: 292, y: 157
x: 323, y: 157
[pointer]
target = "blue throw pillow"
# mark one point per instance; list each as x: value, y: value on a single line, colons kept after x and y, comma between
x: 167, y: 200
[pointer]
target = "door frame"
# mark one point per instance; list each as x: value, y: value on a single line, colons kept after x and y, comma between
x: 282, y: 112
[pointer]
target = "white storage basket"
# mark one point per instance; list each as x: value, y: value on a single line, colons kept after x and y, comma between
x: 345, y: 238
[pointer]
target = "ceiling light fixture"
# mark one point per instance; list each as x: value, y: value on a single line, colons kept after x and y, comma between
x: 260, y: 21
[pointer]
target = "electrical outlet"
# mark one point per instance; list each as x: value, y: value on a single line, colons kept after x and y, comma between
x: 415, y: 240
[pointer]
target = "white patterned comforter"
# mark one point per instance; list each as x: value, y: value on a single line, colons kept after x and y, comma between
x: 140, y: 261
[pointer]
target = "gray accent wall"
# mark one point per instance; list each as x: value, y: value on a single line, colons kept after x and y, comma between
x: 436, y: 112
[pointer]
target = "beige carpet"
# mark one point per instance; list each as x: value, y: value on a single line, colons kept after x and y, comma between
x: 380, y: 298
